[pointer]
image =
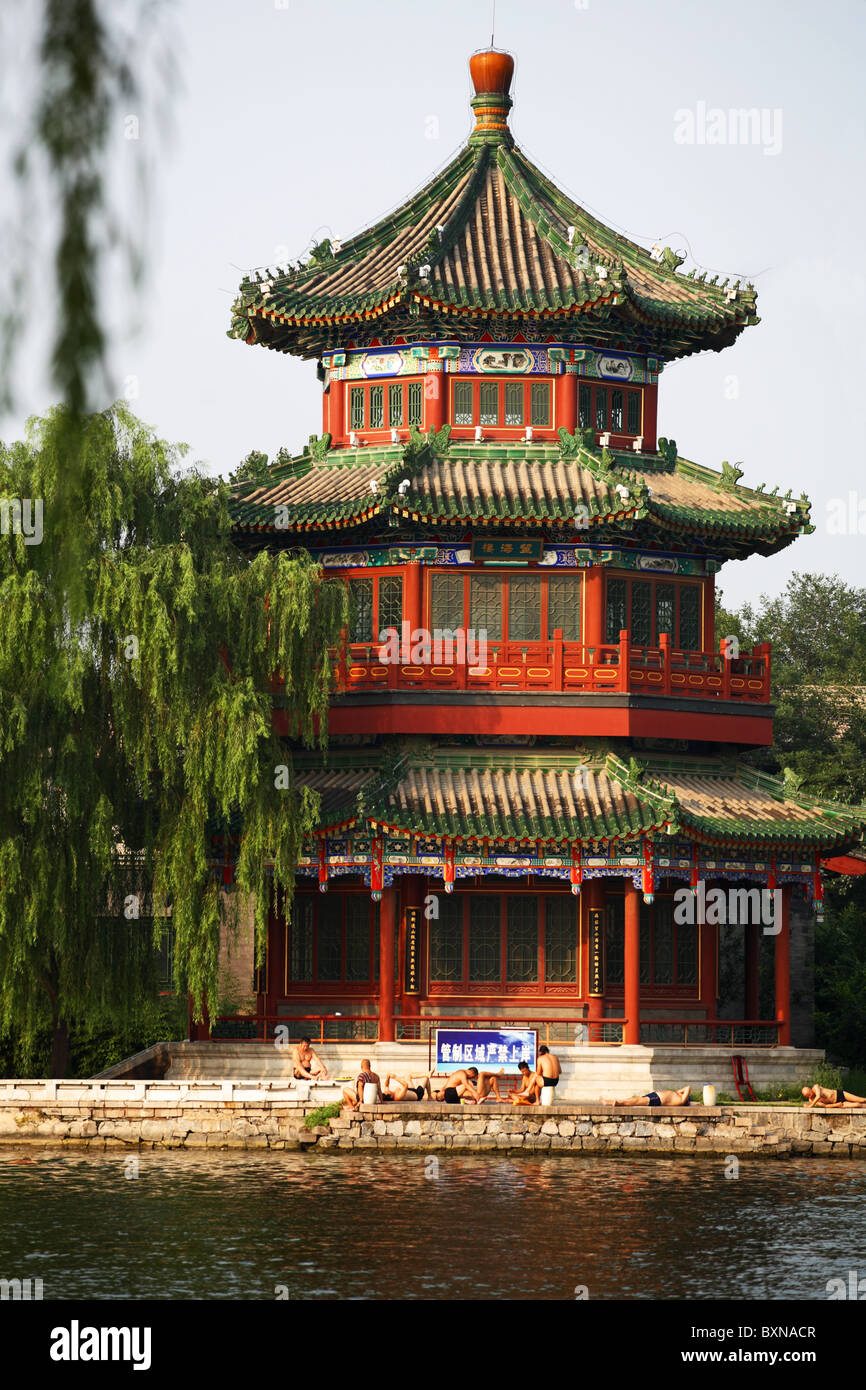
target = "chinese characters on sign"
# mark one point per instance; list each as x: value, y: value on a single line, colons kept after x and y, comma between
x: 488, y: 1049
x: 596, y: 973
x: 516, y: 552
x: 410, y: 984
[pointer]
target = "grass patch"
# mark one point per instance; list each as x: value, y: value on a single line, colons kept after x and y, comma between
x: 322, y: 1115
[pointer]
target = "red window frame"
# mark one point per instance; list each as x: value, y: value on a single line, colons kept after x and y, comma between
x: 526, y: 381
x: 594, y: 387
x: 504, y: 576
x: 386, y: 383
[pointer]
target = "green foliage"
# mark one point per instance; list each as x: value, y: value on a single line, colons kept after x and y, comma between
x: 93, y: 1049
x: 252, y: 469
x: 322, y: 1115
x: 825, y: 1074
x: 137, y: 650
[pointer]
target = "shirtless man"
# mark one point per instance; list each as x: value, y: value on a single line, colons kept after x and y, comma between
x: 488, y: 1085
x: 548, y: 1067
x: 396, y: 1088
x: 528, y: 1091
x: 459, y: 1085
x: 828, y: 1099
x: 306, y: 1066
x: 365, y: 1077
x: 680, y: 1097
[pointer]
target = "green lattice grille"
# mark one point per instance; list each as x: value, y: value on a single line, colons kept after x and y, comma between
x: 690, y: 624
x: 633, y: 412
x: 446, y: 602
x: 446, y: 940
x: 416, y: 403
x: 663, y: 942
x: 514, y: 403
x: 665, y: 599
x: 641, y: 613
x: 687, y: 954
x: 357, y: 937
x: 614, y: 943
x: 616, y: 411
x: 301, y: 941
x: 395, y: 406
x: 390, y: 602
x: 616, y: 615
x: 584, y: 407
x: 485, y: 952
x: 560, y: 940
x: 361, y: 610
x: 540, y: 404
x: 356, y: 407
x: 489, y: 395
x: 463, y: 403
x: 600, y: 408
x: 524, y: 609
x: 521, y: 940
x: 485, y: 607
x: 329, y: 939
x: 563, y: 606
x: 377, y: 407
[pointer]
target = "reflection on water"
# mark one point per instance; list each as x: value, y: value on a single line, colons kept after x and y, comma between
x: 241, y: 1226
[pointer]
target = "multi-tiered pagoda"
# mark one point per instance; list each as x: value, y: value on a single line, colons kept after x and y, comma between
x: 505, y: 819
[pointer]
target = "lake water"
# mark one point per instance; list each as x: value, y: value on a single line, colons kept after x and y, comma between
x: 256, y: 1226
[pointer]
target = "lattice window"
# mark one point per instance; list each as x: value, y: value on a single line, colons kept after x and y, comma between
x: 395, y: 406
x: 446, y: 602
x: 301, y: 941
x: 633, y: 412
x: 416, y: 402
x: 463, y: 403
x: 645, y: 944
x: 524, y: 609
x: 614, y: 943
x: 687, y: 954
x: 616, y: 411
x: 485, y: 950
x: 329, y: 940
x: 361, y: 610
x: 390, y: 602
x: 690, y: 625
x: 489, y: 396
x: 485, y: 607
x: 514, y: 403
x: 560, y: 940
x: 356, y: 407
x: 600, y: 408
x: 665, y: 599
x: 540, y: 404
x: 377, y: 407
x: 521, y: 940
x: 357, y: 937
x: 663, y: 942
x: 584, y: 407
x: 446, y: 940
x: 563, y: 606
x: 616, y: 616
x: 641, y: 615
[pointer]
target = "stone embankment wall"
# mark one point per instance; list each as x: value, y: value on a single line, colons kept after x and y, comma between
x: 230, y: 1115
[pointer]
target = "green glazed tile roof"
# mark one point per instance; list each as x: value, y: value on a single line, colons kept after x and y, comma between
x: 489, y: 235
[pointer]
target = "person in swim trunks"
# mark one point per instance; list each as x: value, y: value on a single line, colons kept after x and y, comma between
x: 397, y: 1088
x: 460, y: 1085
x: 680, y: 1097
x: 828, y: 1098
x: 529, y: 1090
x: 365, y: 1077
x: 548, y: 1067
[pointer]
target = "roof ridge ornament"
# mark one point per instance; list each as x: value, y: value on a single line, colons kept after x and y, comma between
x: 491, y: 70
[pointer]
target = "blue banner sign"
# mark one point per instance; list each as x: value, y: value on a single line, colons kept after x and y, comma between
x: 488, y: 1049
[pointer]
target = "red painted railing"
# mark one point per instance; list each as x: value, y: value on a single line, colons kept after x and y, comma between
x: 570, y: 667
x: 714, y: 1032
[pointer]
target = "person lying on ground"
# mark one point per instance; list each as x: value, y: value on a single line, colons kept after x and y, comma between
x: 400, y: 1088
x: 548, y: 1067
x: 306, y: 1065
x: 460, y: 1085
x: 830, y: 1098
x: 488, y: 1085
x: 680, y: 1097
x: 365, y: 1077
x: 529, y: 1090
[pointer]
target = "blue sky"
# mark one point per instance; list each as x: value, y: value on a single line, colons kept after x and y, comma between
x: 293, y: 121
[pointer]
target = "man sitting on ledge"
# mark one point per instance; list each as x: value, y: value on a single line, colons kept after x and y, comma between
x: 460, y: 1085
x: 820, y: 1095
x: 680, y: 1097
x: 527, y: 1093
x: 366, y: 1077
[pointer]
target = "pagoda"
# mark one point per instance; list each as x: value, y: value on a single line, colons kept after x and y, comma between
x: 535, y: 735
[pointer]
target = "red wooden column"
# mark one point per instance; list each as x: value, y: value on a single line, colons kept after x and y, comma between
x: 566, y: 401
x: 593, y: 580
x: 387, y: 927
x: 592, y: 896
x: 413, y: 897
x: 413, y: 612
x: 434, y: 397
x: 650, y: 417
x: 752, y: 934
x: 709, y: 614
x: 708, y: 968
x: 632, y: 963
x: 336, y: 399
x: 783, y: 972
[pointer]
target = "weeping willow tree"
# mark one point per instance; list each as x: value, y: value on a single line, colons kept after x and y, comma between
x: 135, y: 715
